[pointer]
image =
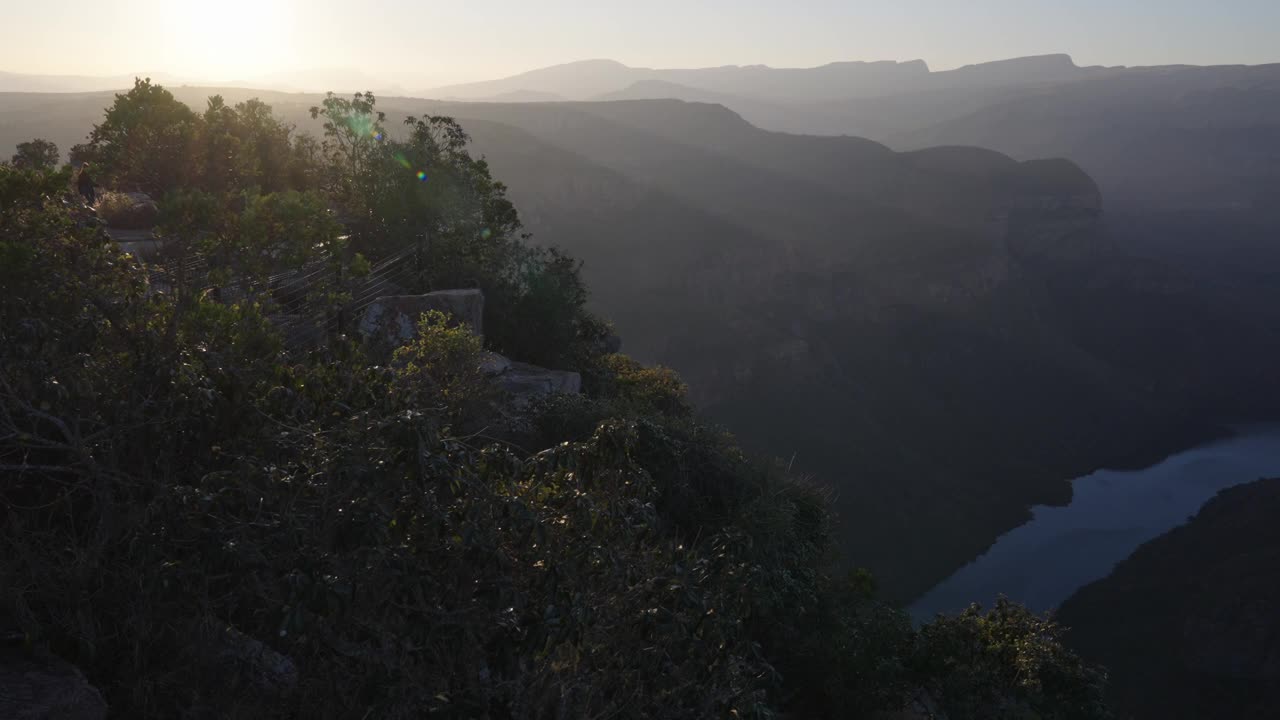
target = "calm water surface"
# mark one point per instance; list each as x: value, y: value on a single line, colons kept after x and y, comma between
x: 1112, y: 512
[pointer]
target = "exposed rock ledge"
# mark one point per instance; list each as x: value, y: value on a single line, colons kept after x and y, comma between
x: 524, y: 382
x: 390, y: 322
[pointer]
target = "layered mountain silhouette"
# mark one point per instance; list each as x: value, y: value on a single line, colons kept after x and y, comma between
x: 26, y: 82
x: 589, y: 78
x: 1158, y: 137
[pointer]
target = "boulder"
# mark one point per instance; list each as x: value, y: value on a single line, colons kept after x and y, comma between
x: 525, y: 383
x: 128, y: 210
x: 46, y: 689
x: 390, y: 322
x: 492, y: 364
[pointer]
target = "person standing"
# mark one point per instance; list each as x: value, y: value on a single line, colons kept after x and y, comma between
x: 86, y: 186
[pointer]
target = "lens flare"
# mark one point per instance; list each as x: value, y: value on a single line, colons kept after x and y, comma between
x: 361, y: 124
x: 404, y: 161
x: 485, y: 233
x: 422, y: 176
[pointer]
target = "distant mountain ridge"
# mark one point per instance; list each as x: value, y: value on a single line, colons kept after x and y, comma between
x: 23, y: 82
x: 1168, y: 138
x: 838, y: 80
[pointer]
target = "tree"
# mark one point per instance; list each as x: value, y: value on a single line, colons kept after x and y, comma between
x: 38, y: 154
x: 244, y: 147
x: 82, y: 153
x: 427, y: 192
x: 145, y: 140
x: 154, y: 142
x: 353, y: 130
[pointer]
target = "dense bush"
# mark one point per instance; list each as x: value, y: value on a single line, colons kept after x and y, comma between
x: 168, y: 472
x: 647, y: 389
x: 1006, y: 663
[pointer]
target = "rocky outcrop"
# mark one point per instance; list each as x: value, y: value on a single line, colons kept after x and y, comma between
x: 46, y: 689
x: 390, y: 322
x: 523, y: 382
x: 128, y: 210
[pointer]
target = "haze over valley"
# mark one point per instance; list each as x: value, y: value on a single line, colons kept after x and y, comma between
x: 825, y: 334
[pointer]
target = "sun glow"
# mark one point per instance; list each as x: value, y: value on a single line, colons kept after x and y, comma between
x: 230, y: 39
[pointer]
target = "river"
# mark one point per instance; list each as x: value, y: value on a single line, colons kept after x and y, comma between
x: 1061, y: 549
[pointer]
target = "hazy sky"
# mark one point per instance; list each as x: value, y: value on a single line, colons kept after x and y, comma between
x: 428, y: 42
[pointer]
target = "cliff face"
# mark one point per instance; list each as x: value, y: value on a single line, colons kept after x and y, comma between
x: 1188, y: 625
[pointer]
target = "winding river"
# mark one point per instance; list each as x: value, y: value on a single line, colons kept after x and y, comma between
x: 1061, y: 549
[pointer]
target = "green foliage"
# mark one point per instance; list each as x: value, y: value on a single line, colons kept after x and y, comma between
x: 38, y: 154
x: 247, y: 147
x: 82, y: 153
x: 427, y: 192
x: 647, y: 389
x: 164, y: 457
x: 24, y: 194
x: 1007, y: 663
x: 274, y: 233
x: 443, y: 365
x: 352, y: 131
x: 151, y: 141
x: 146, y: 140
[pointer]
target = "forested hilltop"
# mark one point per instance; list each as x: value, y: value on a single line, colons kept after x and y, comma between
x: 211, y: 517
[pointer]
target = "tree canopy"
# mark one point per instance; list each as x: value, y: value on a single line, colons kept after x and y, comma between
x: 37, y: 154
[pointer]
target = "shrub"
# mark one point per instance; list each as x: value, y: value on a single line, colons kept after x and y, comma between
x: 442, y: 366
x: 1006, y: 663
x: 646, y: 389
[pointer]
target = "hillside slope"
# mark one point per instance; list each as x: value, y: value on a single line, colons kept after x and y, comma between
x: 1188, y: 625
